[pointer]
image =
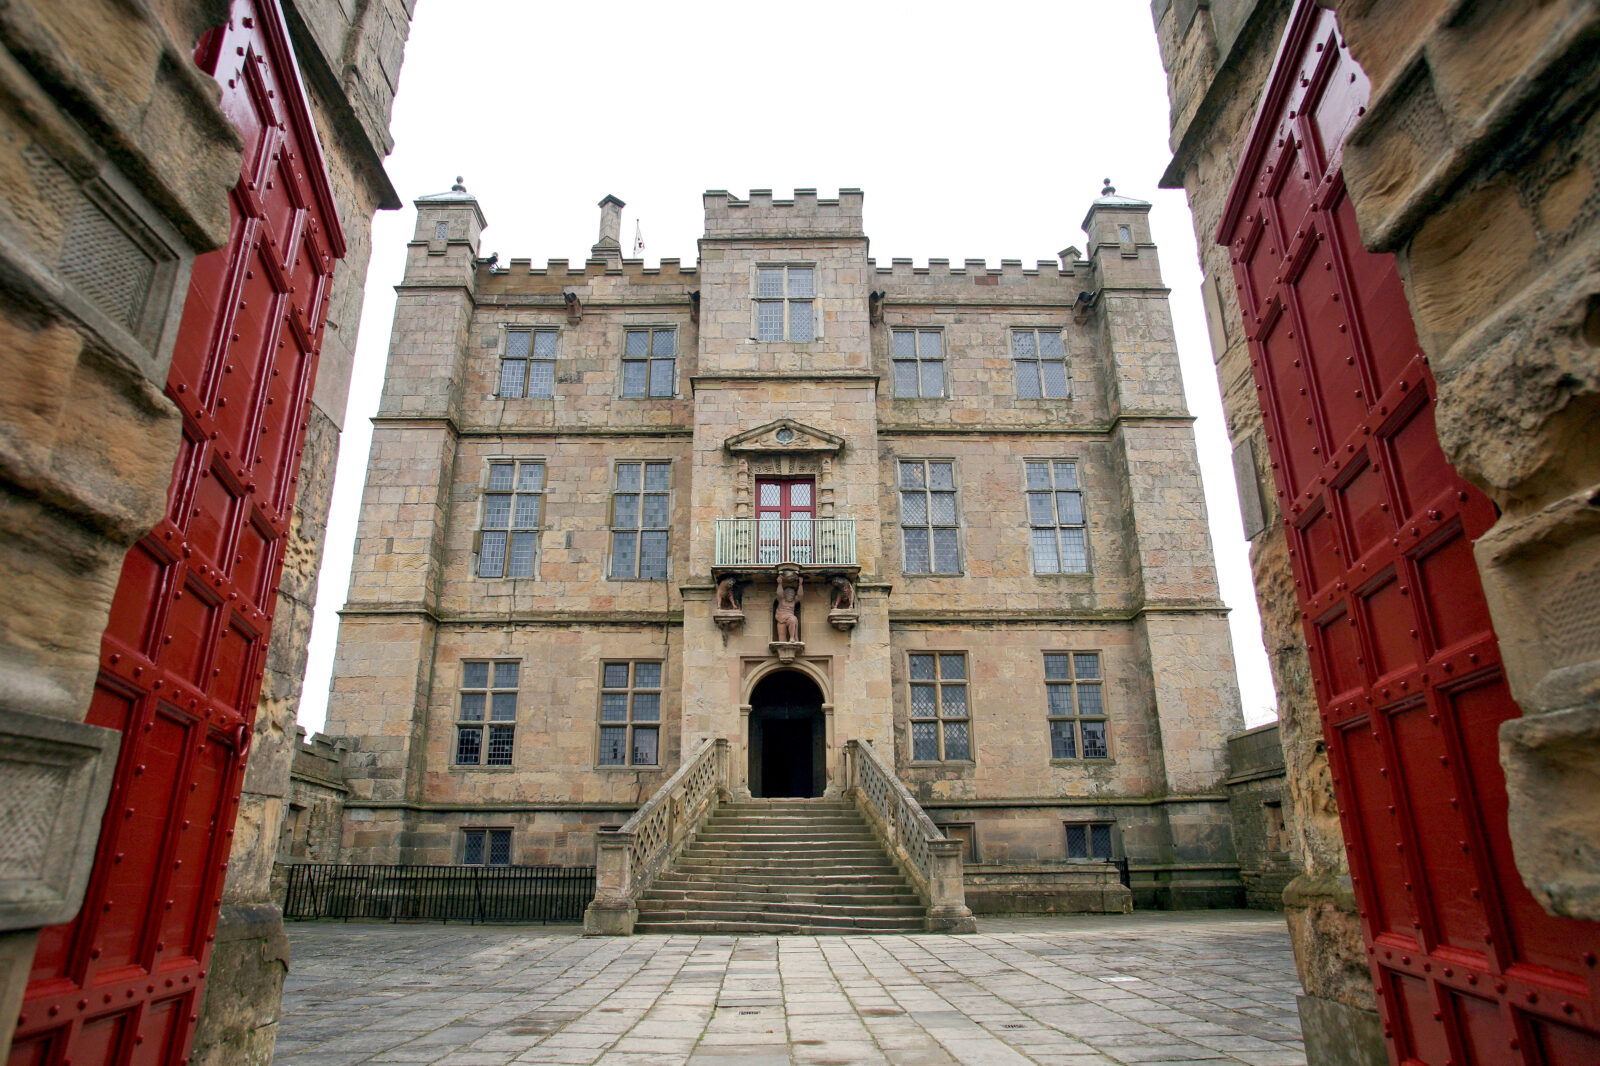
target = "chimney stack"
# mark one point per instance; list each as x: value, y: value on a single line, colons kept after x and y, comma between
x: 609, y: 246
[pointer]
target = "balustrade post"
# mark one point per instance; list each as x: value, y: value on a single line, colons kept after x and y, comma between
x: 947, y: 904
x: 724, y: 792
x: 612, y: 913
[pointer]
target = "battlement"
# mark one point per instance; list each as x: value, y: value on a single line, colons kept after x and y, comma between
x: 588, y: 268
x: 803, y: 216
x: 519, y: 277
x: 1046, y: 278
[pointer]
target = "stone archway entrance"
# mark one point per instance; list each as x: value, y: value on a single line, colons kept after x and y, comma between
x: 787, y: 742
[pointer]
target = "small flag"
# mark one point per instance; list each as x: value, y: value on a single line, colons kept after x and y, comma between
x: 638, y: 241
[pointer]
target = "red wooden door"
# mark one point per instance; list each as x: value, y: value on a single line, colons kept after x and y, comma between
x: 785, y: 508
x: 181, y: 659
x: 1467, y: 966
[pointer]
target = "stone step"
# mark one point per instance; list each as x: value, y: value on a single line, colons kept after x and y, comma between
x: 771, y: 825
x: 887, y: 895
x: 744, y: 880
x: 813, y: 868
x: 771, y: 828
x: 847, y: 851
x: 782, y: 866
x: 764, y: 909
x: 738, y: 921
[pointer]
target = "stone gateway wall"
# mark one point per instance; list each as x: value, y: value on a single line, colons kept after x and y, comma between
x: 1474, y: 163
x: 116, y: 167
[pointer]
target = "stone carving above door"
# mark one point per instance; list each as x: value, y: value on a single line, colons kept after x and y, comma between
x: 785, y: 436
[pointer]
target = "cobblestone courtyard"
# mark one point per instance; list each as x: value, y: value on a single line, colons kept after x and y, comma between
x: 1212, y: 987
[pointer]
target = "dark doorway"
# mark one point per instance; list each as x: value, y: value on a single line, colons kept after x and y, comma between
x: 788, y: 756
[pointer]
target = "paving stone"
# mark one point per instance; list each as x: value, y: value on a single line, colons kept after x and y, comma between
x: 1210, y: 987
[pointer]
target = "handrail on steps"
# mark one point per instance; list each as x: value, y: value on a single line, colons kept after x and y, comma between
x: 628, y: 859
x: 931, y: 862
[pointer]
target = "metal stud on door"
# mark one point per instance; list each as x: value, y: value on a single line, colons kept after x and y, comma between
x: 1466, y: 965
x: 181, y: 659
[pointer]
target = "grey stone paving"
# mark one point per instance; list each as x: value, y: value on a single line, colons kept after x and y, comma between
x: 1200, y: 986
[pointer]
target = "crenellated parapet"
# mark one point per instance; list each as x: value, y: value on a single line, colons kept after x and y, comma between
x: 761, y: 216
x: 598, y: 277
x: 974, y: 280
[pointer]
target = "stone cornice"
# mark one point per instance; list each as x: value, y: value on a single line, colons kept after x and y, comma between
x: 556, y: 302
x: 1096, y: 429
x: 842, y: 375
x: 1046, y: 616
x: 519, y: 618
x: 489, y: 808
x: 1073, y: 801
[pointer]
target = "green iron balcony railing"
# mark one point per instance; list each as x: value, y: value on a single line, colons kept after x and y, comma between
x: 801, y: 540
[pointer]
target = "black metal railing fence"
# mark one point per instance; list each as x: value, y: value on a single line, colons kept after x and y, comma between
x: 439, y: 893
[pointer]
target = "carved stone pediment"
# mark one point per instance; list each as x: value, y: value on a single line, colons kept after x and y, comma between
x: 785, y: 436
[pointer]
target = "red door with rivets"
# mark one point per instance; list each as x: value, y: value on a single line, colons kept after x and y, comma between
x: 181, y: 659
x: 1467, y: 967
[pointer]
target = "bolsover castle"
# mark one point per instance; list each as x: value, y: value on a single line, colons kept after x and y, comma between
x: 790, y: 523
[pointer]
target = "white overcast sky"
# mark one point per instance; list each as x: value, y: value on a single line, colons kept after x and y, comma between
x: 976, y: 131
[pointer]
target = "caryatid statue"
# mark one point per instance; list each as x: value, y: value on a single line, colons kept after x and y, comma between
x: 786, y: 606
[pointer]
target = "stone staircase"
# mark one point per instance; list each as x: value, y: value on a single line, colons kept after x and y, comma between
x: 782, y: 866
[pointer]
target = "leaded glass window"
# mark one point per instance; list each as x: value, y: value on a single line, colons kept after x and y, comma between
x: 928, y: 525
x: 528, y: 368
x: 918, y: 356
x: 786, y: 303
x: 1089, y: 840
x: 1056, y: 524
x: 630, y: 713
x: 941, y: 718
x: 1041, y: 364
x: 641, y: 515
x: 508, y: 540
x: 1075, y: 705
x: 648, y: 360
x: 487, y: 711
x: 486, y: 847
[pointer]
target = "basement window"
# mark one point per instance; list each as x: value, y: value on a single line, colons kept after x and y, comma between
x: 1089, y: 840
x: 486, y: 847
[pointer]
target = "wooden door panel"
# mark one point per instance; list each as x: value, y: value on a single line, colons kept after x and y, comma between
x: 182, y: 653
x: 1406, y: 667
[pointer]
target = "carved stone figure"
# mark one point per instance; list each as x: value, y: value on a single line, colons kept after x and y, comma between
x: 786, y: 606
x: 844, y: 593
x: 730, y: 594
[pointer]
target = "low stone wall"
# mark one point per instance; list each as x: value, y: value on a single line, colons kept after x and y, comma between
x: 1263, y: 823
x: 1069, y: 888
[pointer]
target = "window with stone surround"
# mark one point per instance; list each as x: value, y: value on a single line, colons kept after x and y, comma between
x: 1089, y: 840
x: 1277, y: 834
x: 1041, y: 364
x: 1075, y: 705
x: 486, y: 847
x: 1059, y: 541
x: 528, y: 367
x: 630, y: 713
x: 486, y: 713
x: 941, y: 723
x: 641, y: 514
x: 786, y: 303
x: 508, y: 538
x: 918, y: 362
x: 928, y: 527
x: 648, y: 360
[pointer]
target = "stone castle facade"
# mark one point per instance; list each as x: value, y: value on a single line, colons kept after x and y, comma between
x: 591, y: 483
